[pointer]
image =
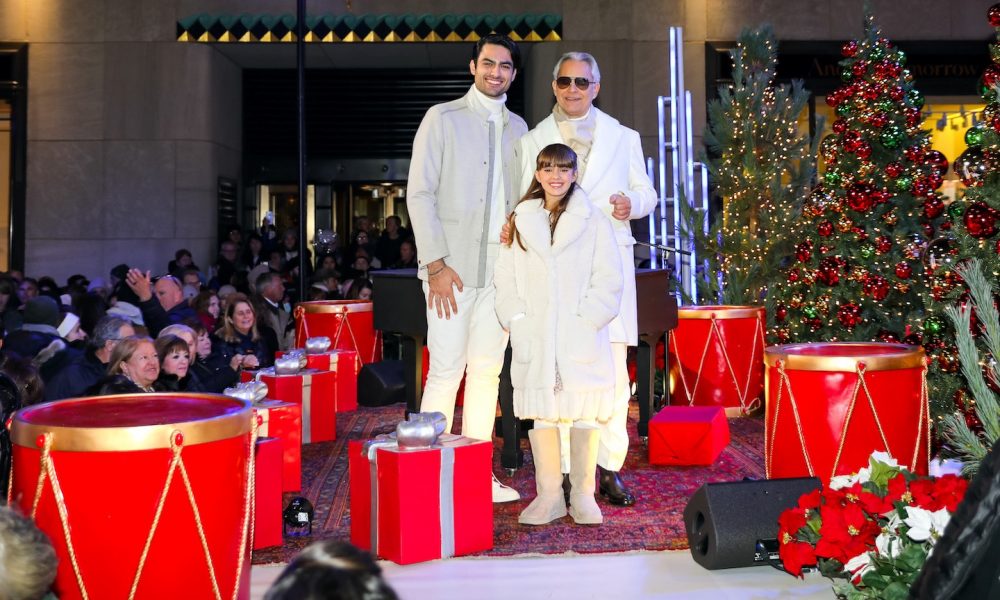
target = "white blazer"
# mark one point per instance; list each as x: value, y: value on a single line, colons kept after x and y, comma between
x: 569, y: 289
x: 615, y: 164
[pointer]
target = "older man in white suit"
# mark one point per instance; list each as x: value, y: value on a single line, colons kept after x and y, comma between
x: 613, y: 173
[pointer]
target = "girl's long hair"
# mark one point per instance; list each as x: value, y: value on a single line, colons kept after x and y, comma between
x: 553, y: 155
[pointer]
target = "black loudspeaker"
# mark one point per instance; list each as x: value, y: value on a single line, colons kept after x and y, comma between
x: 381, y: 383
x: 724, y: 521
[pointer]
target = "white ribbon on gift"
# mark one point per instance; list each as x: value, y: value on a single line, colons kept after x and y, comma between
x: 446, y: 476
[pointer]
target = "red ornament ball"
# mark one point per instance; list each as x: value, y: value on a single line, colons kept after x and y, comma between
x: 829, y: 272
x: 894, y: 169
x: 851, y: 48
x: 993, y: 15
x: 896, y: 93
x: 875, y: 286
x: 879, y: 120
x: 980, y: 220
x: 859, y: 69
x: 849, y: 315
x: 933, y: 207
x: 839, y: 126
x: 803, y: 251
x: 883, y: 244
x: 793, y: 275
x: 884, y: 335
x: 936, y: 161
x: 991, y: 75
x: 904, y: 270
x: 864, y: 150
x: 859, y: 197
x: 780, y: 312
x: 825, y: 229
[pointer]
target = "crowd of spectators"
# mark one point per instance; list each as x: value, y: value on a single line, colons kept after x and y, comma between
x: 190, y: 329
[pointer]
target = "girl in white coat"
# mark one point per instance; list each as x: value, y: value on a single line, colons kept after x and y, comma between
x: 558, y: 286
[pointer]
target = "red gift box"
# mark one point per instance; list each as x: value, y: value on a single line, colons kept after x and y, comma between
x: 688, y: 435
x: 313, y: 390
x: 347, y: 366
x: 283, y: 420
x: 267, y: 494
x: 414, y: 505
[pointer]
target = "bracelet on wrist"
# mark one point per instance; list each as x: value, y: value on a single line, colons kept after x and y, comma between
x: 435, y: 273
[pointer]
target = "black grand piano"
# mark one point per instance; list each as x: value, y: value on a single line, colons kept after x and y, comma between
x: 400, y: 307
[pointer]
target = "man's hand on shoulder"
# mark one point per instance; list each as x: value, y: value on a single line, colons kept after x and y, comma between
x: 442, y: 281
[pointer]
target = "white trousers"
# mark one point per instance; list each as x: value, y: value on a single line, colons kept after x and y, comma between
x: 470, y: 343
x: 613, y: 446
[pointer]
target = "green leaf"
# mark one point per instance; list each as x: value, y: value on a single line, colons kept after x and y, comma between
x: 896, y: 591
x: 881, y: 474
x: 874, y: 580
x: 912, y: 558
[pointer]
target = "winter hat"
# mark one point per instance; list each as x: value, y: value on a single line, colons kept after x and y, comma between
x: 119, y: 271
x: 42, y: 310
x: 68, y: 323
x: 128, y: 311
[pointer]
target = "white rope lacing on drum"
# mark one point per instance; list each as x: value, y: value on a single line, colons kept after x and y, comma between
x: 46, y: 469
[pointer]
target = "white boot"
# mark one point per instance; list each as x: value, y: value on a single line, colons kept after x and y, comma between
x: 549, y: 503
x: 583, y: 442
x: 503, y: 493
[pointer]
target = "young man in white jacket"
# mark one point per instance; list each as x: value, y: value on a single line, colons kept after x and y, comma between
x: 461, y: 175
x: 612, y: 172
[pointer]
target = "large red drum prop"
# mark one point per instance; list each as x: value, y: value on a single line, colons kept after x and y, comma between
x: 348, y: 324
x: 831, y: 404
x: 716, y: 357
x: 143, y: 496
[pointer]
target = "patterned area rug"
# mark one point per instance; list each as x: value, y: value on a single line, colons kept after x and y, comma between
x: 654, y: 523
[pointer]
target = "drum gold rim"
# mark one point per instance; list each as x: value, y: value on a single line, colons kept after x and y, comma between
x: 336, y: 306
x: 720, y: 312
x: 907, y: 357
x: 142, y: 437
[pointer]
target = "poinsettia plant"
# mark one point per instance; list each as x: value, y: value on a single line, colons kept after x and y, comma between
x: 870, y: 532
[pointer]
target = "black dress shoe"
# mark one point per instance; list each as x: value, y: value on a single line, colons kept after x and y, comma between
x: 613, y: 489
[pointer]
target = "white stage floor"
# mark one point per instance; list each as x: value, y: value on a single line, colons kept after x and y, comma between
x: 600, y: 576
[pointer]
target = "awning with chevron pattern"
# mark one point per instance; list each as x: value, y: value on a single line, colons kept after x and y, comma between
x: 369, y: 28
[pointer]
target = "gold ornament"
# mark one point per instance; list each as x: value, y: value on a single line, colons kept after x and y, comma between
x: 844, y: 224
x: 890, y: 218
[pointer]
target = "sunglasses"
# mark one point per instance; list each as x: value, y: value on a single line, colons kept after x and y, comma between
x: 581, y: 83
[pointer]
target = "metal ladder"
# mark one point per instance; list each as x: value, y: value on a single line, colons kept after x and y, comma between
x: 683, y: 178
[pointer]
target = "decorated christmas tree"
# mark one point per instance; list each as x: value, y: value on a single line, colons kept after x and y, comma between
x: 973, y: 220
x: 761, y: 167
x: 858, y: 271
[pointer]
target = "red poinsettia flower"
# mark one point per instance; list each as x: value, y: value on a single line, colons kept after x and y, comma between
x: 922, y: 494
x: 811, y: 500
x: 845, y: 532
x: 795, y: 555
x: 896, y: 488
x: 949, y: 491
x: 792, y: 520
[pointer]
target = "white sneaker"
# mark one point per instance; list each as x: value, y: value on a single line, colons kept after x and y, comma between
x: 502, y: 493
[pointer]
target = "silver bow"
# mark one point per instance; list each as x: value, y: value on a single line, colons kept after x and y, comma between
x: 251, y: 391
x: 300, y: 354
x: 288, y: 364
x: 318, y: 345
x: 421, y: 430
